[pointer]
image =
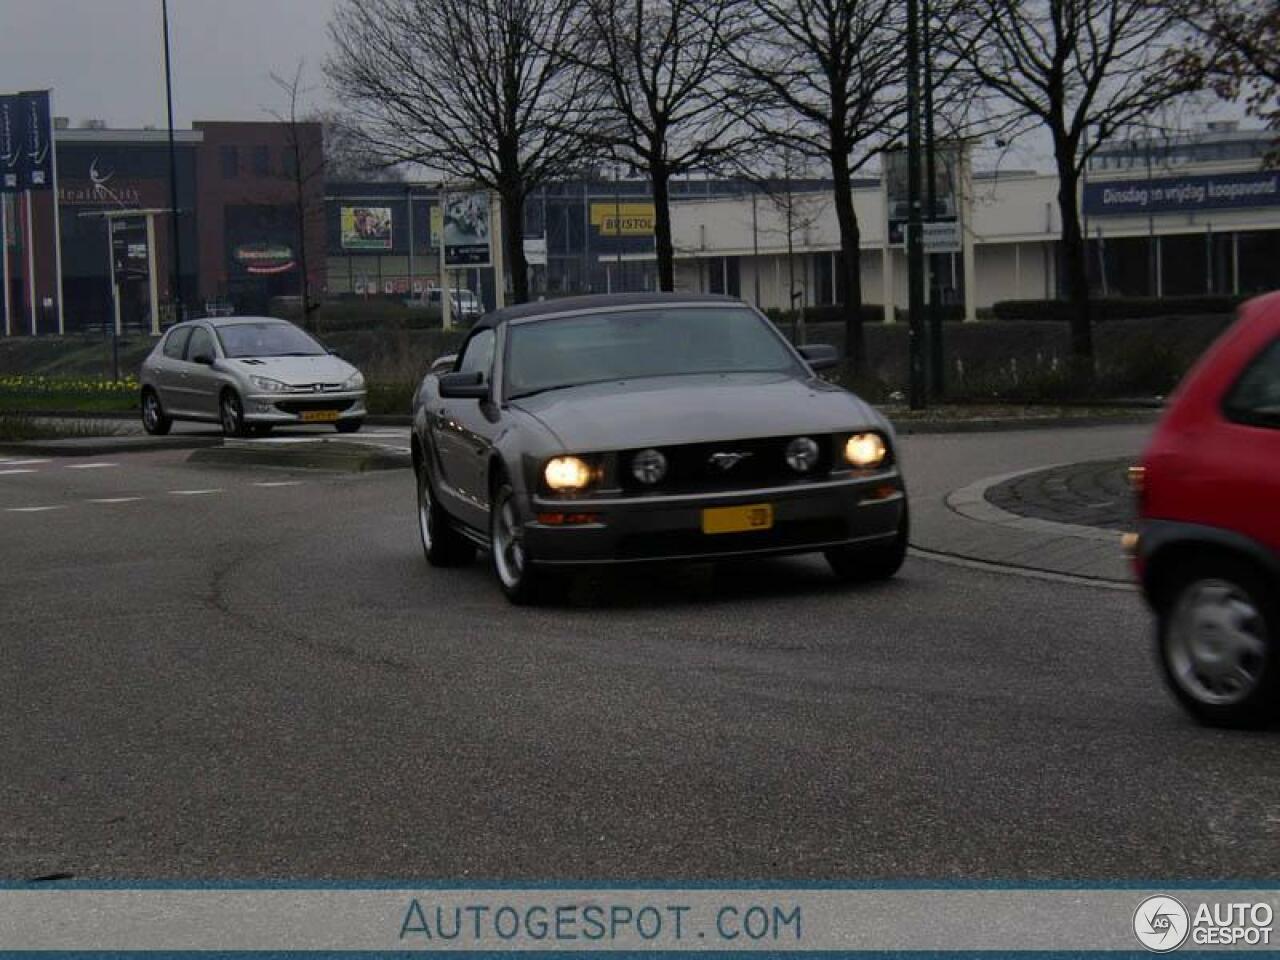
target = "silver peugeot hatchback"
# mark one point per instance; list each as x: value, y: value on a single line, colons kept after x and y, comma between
x: 248, y: 374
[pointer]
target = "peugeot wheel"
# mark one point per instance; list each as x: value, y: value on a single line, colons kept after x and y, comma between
x: 231, y: 414
x: 153, y: 419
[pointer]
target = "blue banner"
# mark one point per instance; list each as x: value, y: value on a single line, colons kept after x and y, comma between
x: 1224, y: 191
x: 37, y: 141
x: 11, y: 115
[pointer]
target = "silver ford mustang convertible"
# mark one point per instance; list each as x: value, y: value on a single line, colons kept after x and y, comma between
x: 642, y: 428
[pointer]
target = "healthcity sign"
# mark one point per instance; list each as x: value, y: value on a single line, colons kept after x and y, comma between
x: 1228, y: 191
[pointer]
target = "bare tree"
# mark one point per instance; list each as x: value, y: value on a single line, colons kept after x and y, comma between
x: 664, y: 65
x: 479, y: 90
x: 825, y: 78
x: 304, y: 168
x: 1081, y: 70
x: 346, y: 153
x: 1235, y: 46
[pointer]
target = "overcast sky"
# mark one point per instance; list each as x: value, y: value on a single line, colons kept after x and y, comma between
x: 104, y: 59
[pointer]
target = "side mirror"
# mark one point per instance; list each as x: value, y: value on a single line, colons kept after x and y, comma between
x: 443, y: 364
x: 203, y: 359
x: 820, y: 356
x: 464, y: 386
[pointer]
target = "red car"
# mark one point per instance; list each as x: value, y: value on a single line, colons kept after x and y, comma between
x: 1208, y: 544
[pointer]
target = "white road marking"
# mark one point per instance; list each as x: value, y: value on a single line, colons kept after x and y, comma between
x: 31, y: 509
x: 90, y: 466
x: 9, y: 473
x: 114, y: 499
x: 195, y: 493
x: 278, y: 483
x: 24, y: 463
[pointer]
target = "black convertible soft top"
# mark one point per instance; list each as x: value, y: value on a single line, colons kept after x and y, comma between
x: 597, y: 301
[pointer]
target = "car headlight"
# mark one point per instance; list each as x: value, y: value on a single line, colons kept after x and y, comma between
x: 567, y: 474
x: 865, y: 450
x: 802, y: 454
x: 269, y: 385
x: 354, y: 382
x: 649, y: 466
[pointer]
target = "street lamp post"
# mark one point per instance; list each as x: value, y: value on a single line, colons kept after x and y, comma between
x: 175, y: 232
x: 918, y: 331
x: 937, y: 368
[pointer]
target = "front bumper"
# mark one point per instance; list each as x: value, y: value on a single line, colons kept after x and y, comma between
x: 635, y: 529
x: 290, y: 407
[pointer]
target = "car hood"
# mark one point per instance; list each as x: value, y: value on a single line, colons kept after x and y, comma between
x: 662, y: 411
x: 295, y: 371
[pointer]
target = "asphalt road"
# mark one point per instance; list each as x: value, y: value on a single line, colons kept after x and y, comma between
x: 244, y: 674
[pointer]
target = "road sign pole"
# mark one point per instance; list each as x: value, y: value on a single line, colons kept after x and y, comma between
x: 4, y: 254
x: 153, y: 282
x: 446, y: 292
x: 31, y: 265
x: 57, y: 226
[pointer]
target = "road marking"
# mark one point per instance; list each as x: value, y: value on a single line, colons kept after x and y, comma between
x: 114, y: 499
x: 90, y: 466
x: 195, y: 493
x: 23, y: 463
x: 278, y: 483
x: 30, y: 509
x: 9, y: 473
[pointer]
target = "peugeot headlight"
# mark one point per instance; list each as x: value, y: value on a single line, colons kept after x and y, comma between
x: 354, y: 382
x: 802, y: 454
x: 649, y: 466
x: 865, y: 450
x: 268, y: 385
x: 567, y: 474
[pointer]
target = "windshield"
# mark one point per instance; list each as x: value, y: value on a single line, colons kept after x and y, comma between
x: 267, y: 339
x: 631, y: 344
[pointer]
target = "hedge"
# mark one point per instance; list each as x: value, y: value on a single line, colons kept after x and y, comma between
x: 1117, y: 308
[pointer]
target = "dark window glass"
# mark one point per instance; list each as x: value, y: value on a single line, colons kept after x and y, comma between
x: 201, y: 344
x: 1255, y: 399
x: 261, y: 161
x: 230, y: 162
x: 176, y: 342
x: 478, y: 355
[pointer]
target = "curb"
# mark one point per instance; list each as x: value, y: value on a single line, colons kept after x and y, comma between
x: 105, y: 446
x: 1000, y: 425
x: 322, y: 455
x: 972, y: 502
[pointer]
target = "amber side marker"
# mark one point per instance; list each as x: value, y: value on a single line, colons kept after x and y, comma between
x: 1129, y: 542
x: 1137, y: 478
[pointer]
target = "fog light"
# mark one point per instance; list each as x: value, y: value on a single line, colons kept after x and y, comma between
x: 649, y: 466
x: 802, y: 454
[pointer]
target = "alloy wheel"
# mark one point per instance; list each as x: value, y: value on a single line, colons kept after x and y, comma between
x: 1216, y: 642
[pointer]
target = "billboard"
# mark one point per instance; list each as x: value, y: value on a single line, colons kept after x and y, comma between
x: 1223, y: 191
x: 365, y: 228
x: 11, y: 122
x: 623, y: 219
x: 896, y: 185
x: 129, y: 249
x: 466, y: 229
x: 37, y: 141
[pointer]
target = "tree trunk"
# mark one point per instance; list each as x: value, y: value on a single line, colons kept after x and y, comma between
x: 304, y: 291
x: 660, y: 179
x: 513, y: 241
x: 850, y: 260
x: 1077, y: 275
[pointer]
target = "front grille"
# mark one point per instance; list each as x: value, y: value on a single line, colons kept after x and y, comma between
x: 319, y: 403
x: 691, y: 469
x: 693, y: 543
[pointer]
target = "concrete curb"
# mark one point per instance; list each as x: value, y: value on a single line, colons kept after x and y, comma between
x: 319, y: 455
x: 1000, y: 424
x: 106, y: 446
x: 972, y: 502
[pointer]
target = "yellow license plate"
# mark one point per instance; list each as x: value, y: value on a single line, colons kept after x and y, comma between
x: 755, y: 516
x: 319, y: 416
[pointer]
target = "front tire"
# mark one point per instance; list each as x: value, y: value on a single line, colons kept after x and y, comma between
x: 522, y: 582
x: 1218, y: 640
x: 231, y: 414
x: 153, y: 419
x: 867, y: 564
x: 349, y: 426
x: 442, y: 545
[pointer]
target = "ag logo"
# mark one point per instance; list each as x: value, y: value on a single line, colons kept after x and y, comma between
x: 1161, y: 924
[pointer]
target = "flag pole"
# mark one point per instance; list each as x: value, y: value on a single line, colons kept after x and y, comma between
x: 57, y: 221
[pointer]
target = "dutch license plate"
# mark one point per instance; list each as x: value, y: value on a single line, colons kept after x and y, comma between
x: 755, y: 516
x: 319, y: 416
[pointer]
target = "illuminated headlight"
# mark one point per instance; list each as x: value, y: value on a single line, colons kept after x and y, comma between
x: 567, y: 474
x: 268, y: 385
x: 649, y: 466
x: 802, y: 454
x: 354, y: 382
x: 865, y: 450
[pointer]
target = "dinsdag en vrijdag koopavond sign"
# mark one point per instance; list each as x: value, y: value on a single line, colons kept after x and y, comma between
x: 1190, y: 194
